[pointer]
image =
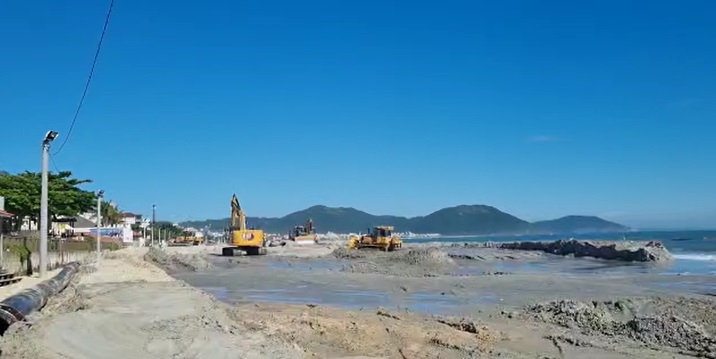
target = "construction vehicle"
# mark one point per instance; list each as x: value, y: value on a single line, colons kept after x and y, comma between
x: 188, y: 236
x: 304, y: 234
x: 380, y: 237
x: 243, y: 240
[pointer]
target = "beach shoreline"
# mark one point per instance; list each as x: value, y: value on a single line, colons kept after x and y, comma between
x: 156, y: 315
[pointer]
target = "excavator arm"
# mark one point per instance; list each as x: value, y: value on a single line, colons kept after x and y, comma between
x: 238, y: 218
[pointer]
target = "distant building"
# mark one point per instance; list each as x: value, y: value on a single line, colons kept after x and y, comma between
x: 131, y: 218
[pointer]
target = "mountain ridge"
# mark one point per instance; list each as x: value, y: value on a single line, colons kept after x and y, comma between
x: 475, y: 219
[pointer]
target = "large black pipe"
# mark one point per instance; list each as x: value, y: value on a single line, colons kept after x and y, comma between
x: 15, y: 308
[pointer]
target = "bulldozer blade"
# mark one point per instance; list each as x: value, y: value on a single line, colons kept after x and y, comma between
x: 305, y: 241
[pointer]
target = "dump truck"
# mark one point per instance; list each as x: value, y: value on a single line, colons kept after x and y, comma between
x: 379, y: 237
x: 243, y: 240
x: 304, y: 234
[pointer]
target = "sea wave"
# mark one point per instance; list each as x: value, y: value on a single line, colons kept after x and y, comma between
x: 696, y: 257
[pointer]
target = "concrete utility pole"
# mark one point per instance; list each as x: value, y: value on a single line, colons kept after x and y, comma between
x: 100, y: 193
x: 2, y: 239
x: 154, y: 221
x: 49, y: 136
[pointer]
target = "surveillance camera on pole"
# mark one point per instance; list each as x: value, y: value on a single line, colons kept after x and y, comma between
x: 49, y: 137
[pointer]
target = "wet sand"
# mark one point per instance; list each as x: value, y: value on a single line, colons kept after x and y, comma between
x: 499, y: 279
x: 316, y: 303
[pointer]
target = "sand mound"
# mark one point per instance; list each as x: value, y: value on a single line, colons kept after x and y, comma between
x: 423, y: 256
x: 657, y: 322
x: 419, y: 262
x: 172, y: 261
x: 347, y: 253
x: 326, y: 332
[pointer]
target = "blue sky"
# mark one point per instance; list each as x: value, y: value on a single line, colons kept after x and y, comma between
x: 541, y: 109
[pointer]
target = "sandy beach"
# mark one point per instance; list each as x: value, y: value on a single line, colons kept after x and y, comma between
x: 324, y: 302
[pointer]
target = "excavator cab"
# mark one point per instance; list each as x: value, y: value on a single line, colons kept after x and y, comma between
x: 379, y: 232
x: 380, y: 237
x: 299, y: 231
x: 303, y: 234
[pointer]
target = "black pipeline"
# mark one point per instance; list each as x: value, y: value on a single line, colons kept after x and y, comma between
x: 15, y: 308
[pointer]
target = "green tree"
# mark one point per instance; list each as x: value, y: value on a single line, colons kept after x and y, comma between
x: 65, y: 197
x: 169, y: 229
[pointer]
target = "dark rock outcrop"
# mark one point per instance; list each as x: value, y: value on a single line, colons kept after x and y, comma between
x: 628, y: 251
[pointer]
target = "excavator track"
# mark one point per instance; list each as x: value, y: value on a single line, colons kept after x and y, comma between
x: 243, y: 251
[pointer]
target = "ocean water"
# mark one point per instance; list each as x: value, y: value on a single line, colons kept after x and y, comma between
x: 694, y: 251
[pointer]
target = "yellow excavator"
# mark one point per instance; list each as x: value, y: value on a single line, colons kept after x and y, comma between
x: 380, y: 237
x: 304, y: 234
x: 243, y: 240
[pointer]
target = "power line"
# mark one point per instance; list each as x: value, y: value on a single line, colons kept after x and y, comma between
x: 52, y: 159
x: 89, y: 78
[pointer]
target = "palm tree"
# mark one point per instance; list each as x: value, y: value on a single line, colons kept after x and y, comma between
x: 111, y: 215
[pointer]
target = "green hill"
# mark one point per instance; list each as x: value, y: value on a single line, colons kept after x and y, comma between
x: 465, y: 219
x: 475, y: 219
x: 577, y: 224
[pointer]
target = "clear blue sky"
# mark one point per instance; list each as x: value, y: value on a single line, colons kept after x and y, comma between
x: 541, y: 109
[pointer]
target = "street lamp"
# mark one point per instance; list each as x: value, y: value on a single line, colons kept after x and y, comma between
x: 100, y: 194
x: 49, y: 136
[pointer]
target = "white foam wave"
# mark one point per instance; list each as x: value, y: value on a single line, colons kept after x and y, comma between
x: 696, y: 257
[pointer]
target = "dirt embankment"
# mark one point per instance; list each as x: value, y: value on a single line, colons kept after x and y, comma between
x: 177, y: 260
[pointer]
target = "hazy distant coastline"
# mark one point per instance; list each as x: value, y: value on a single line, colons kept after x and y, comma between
x: 452, y: 221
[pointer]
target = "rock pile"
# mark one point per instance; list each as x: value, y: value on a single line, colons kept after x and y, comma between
x: 628, y: 251
x: 660, y: 325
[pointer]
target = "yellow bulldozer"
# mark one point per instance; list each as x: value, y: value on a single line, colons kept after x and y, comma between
x: 303, y: 234
x: 188, y: 237
x: 380, y: 237
x: 242, y: 239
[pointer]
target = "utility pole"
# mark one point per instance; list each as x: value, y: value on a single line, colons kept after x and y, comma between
x: 99, y: 224
x: 154, y: 222
x: 2, y: 226
x: 49, y: 136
